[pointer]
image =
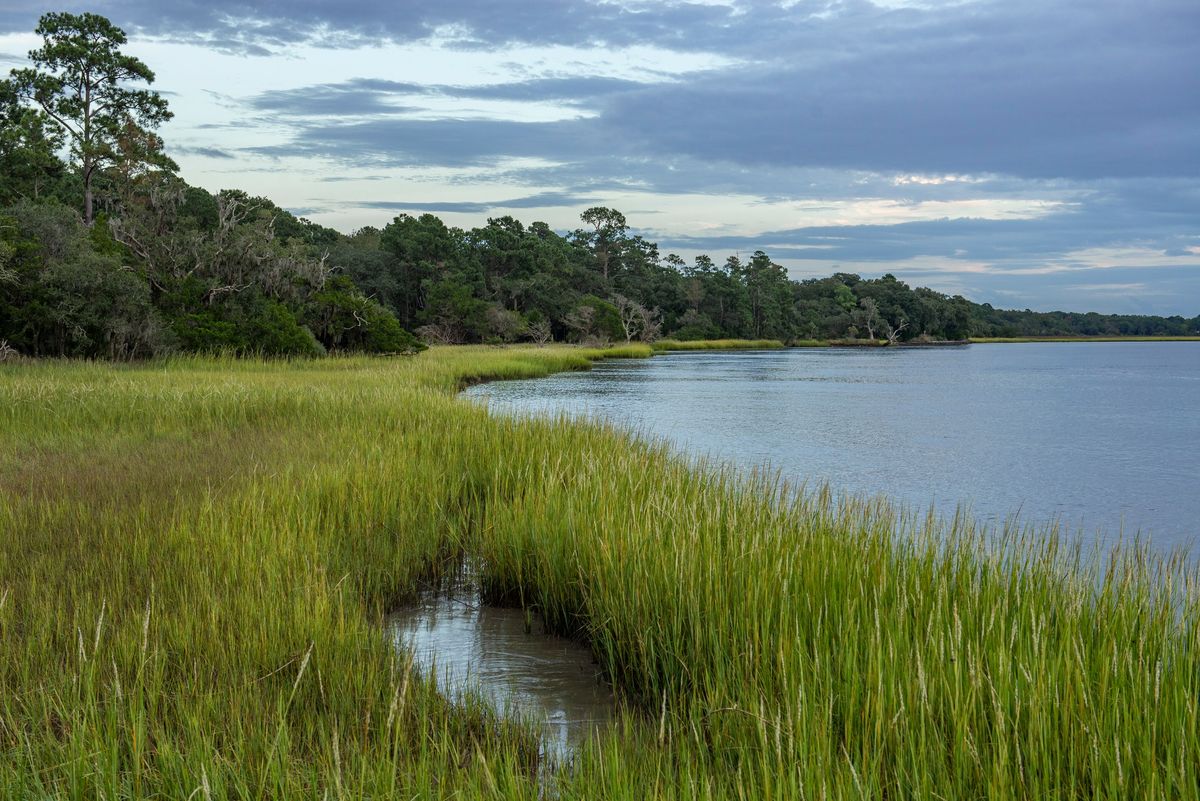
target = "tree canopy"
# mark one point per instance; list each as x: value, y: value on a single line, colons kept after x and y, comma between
x: 83, y: 83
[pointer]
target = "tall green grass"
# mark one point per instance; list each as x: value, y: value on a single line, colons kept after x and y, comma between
x: 196, y: 558
x: 716, y: 344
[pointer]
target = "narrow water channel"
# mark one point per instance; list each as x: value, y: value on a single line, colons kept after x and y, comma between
x: 472, y: 647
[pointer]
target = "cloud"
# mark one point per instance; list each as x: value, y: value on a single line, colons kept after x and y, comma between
x: 1005, y: 88
x: 252, y: 26
x: 936, y: 96
x: 338, y: 179
x: 1127, y: 256
x: 571, y: 89
x: 1014, y: 87
x: 357, y: 98
x: 540, y: 200
x: 1137, y: 287
x: 377, y: 98
x: 206, y: 152
x: 439, y: 142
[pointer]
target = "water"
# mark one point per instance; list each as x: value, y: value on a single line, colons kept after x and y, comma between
x: 486, y: 649
x: 1103, y: 438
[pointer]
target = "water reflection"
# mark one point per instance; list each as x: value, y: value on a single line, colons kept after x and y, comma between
x: 485, y: 649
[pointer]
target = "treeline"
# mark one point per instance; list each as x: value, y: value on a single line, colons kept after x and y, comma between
x: 106, y: 252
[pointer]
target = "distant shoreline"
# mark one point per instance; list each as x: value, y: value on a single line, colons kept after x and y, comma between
x: 1004, y: 340
x: 670, y: 345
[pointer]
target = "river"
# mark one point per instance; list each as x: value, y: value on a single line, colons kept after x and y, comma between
x: 1103, y: 438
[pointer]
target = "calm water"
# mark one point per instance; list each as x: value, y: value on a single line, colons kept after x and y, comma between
x: 1103, y: 437
x: 485, y: 649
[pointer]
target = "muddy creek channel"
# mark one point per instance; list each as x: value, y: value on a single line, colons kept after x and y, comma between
x: 509, y: 660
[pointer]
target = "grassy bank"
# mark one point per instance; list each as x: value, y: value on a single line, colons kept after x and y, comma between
x: 717, y: 344
x: 196, y: 558
x: 997, y: 340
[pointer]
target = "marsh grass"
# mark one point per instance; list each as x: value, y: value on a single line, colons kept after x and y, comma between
x: 717, y: 344
x: 197, y: 557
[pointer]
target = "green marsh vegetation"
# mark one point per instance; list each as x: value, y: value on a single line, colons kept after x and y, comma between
x: 717, y: 344
x: 198, y: 555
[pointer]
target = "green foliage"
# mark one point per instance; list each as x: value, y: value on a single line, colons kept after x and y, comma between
x: 81, y: 80
x: 454, y: 313
x: 101, y: 240
x: 65, y: 293
x: 204, y: 332
x: 29, y: 144
x: 607, y: 321
x: 198, y: 210
x: 607, y: 237
x: 272, y: 330
x: 419, y: 251
x: 343, y: 319
x: 694, y: 325
x: 96, y: 308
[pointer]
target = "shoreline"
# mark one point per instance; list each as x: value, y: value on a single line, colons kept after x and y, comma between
x: 1054, y: 339
x: 676, y: 346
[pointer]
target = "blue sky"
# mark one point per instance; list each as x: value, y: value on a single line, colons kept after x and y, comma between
x: 1027, y: 153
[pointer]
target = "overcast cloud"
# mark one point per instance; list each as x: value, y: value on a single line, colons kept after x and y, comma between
x: 1026, y: 153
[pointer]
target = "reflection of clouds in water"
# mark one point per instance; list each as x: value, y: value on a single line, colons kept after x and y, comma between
x: 484, y: 649
x: 1095, y: 435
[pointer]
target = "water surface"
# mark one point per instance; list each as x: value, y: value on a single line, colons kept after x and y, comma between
x: 473, y: 647
x: 1102, y: 437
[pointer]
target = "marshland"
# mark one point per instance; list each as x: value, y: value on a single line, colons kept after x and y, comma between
x: 256, y: 544
x: 200, y: 557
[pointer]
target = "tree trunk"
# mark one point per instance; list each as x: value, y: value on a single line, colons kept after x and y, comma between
x: 89, y: 167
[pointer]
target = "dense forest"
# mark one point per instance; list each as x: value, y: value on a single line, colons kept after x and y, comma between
x: 106, y: 252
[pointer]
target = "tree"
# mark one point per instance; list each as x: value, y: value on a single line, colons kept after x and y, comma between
x: 61, y: 295
x: 636, y: 320
x: 504, y: 325
x: 539, y: 332
x: 29, y: 142
x: 770, y: 296
x: 893, y: 332
x: 867, y: 315
x: 610, y: 228
x: 695, y: 325
x: 594, y: 321
x: 80, y: 79
x: 342, y: 318
x: 421, y: 249
x: 630, y: 312
x: 581, y: 320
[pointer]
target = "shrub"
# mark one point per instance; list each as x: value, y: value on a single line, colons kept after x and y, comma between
x: 203, y: 331
x: 274, y: 331
x: 343, y: 319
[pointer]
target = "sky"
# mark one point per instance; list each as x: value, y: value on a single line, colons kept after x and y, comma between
x: 1024, y: 153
